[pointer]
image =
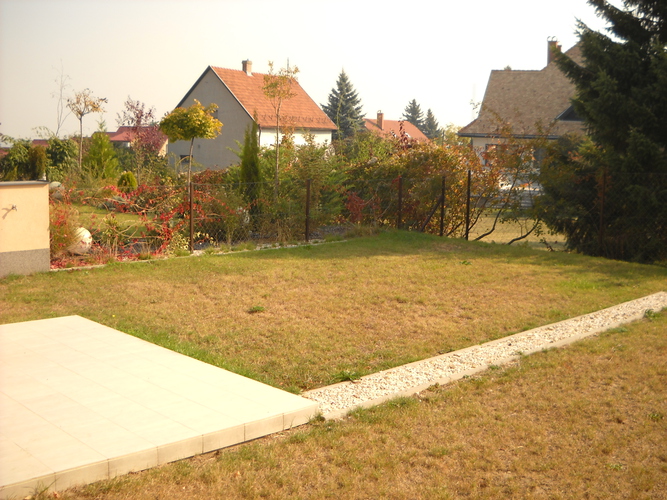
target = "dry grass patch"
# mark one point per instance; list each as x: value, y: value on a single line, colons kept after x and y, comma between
x: 306, y: 317
x: 587, y: 421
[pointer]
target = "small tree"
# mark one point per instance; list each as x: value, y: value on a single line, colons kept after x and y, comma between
x: 82, y: 104
x: 147, y: 137
x: 250, y: 173
x: 188, y: 124
x: 62, y: 154
x: 23, y: 161
x: 101, y: 161
x: 278, y: 89
x: 344, y: 108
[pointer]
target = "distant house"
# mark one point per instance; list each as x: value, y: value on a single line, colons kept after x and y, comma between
x: 532, y: 103
x: 125, y: 135
x: 240, y: 98
x: 393, y: 128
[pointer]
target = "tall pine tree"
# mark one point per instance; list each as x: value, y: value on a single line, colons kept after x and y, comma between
x: 431, y: 127
x: 413, y: 114
x: 621, y: 94
x: 344, y: 108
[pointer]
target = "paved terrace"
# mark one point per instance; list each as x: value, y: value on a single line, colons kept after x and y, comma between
x: 81, y: 402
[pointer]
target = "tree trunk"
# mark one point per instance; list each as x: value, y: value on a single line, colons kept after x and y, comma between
x: 276, y: 182
x: 80, y: 144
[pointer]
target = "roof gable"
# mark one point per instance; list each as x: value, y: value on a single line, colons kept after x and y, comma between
x: 527, y: 100
x: 300, y: 111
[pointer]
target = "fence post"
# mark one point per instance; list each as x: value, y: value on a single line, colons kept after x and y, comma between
x: 307, y: 210
x: 602, y: 196
x: 442, y: 207
x: 400, y: 202
x: 192, y: 225
x: 468, y: 206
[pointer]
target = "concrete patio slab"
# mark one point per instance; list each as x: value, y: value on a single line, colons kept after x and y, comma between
x: 81, y: 402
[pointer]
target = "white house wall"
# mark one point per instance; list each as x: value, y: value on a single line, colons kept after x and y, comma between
x: 268, y: 137
x: 215, y: 153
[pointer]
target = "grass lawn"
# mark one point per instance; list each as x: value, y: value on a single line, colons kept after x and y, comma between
x: 306, y: 317
x: 587, y: 421
x: 93, y: 219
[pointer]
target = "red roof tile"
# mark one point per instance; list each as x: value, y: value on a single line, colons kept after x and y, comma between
x: 393, y: 128
x: 300, y: 111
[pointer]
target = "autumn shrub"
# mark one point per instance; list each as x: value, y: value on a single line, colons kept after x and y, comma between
x: 63, y: 223
x: 127, y: 182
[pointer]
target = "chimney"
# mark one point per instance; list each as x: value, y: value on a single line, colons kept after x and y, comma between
x: 247, y: 67
x: 380, y: 119
x: 552, y: 45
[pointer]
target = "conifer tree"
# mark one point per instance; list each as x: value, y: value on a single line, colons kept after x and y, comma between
x: 413, y: 114
x: 101, y: 161
x: 250, y: 174
x: 344, y: 108
x: 431, y: 127
x: 621, y: 96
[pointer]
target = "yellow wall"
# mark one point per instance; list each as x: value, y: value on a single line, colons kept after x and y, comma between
x: 27, y: 226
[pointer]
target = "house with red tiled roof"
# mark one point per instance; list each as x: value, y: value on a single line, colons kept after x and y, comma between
x: 125, y: 135
x: 393, y: 128
x: 533, y: 103
x: 240, y: 97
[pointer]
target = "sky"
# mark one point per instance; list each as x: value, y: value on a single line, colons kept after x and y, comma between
x: 438, y: 52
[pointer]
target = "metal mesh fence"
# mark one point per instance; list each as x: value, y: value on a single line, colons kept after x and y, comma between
x: 621, y: 216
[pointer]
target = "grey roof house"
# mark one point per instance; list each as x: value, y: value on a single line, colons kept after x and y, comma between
x: 532, y: 103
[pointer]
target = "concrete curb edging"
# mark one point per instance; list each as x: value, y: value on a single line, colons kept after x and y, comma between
x: 337, y: 400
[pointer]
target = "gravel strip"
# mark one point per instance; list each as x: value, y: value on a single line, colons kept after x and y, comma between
x: 337, y: 400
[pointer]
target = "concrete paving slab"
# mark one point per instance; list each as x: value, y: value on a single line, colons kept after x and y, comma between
x: 81, y: 402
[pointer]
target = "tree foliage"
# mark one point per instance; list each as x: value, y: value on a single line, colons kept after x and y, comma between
x: 188, y: 124
x: 101, y: 161
x: 62, y: 155
x: 413, y: 114
x: 250, y: 171
x: 81, y: 104
x: 23, y: 161
x: 621, y: 208
x: 278, y: 89
x: 344, y: 108
x: 147, y: 138
x: 431, y: 128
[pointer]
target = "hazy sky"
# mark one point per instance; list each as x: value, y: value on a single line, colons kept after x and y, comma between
x: 439, y: 52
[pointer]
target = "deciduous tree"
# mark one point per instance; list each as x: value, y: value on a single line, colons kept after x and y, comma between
x: 188, y: 124
x: 81, y: 104
x: 278, y: 89
x: 147, y: 139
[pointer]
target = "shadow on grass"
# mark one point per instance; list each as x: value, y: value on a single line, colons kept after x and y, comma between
x: 427, y: 246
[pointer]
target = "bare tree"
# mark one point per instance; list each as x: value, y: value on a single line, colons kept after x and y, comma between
x: 62, y: 82
x: 277, y: 89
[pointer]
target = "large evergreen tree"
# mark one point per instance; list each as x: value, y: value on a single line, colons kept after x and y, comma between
x: 344, y: 108
x: 621, y: 94
x: 431, y: 127
x: 413, y: 114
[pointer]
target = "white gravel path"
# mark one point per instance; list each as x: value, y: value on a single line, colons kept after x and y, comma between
x: 337, y: 400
